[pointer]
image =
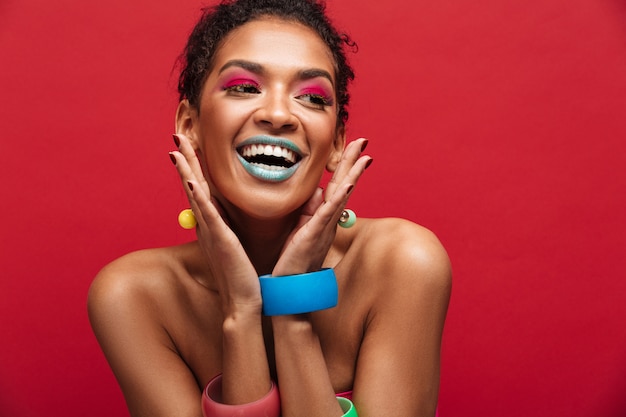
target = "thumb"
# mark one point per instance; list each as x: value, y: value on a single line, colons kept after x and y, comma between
x: 310, y: 207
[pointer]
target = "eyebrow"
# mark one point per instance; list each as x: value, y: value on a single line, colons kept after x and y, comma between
x: 257, y: 68
x: 247, y: 65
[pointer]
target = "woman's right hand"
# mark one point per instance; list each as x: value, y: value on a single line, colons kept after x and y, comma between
x: 231, y: 269
x: 244, y: 367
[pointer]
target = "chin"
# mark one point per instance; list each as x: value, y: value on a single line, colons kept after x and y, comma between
x: 269, y: 210
x: 263, y: 205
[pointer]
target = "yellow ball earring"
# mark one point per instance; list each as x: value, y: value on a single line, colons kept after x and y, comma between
x: 186, y: 219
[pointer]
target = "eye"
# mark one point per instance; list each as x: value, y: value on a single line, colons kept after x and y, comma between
x: 316, y: 97
x: 316, y: 100
x: 242, y: 87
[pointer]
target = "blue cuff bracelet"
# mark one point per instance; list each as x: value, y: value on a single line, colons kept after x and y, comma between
x: 297, y: 294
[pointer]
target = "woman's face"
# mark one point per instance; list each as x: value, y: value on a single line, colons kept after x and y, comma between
x: 267, y: 120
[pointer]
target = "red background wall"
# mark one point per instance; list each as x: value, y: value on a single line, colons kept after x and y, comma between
x: 497, y: 124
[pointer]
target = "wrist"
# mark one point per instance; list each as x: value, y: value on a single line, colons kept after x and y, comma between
x: 240, y: 308
x: 292, y: 326
x: 298, y: 294
x: 239, y: 321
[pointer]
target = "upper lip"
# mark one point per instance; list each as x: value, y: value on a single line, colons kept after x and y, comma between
x: 270, y: 150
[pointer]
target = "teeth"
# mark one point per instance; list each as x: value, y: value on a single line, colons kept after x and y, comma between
x: 269, y: 150
x: 269, y: 167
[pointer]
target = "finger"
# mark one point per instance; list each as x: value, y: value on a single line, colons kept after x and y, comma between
x: 337, y: 202
x: 337, y: 197
x: 186, y: 149
x: 344, y: 188
x: 220, y: 210
x: 187, y: 178
x: 348, y: 159
x: 311, y: 206
x: 323, y: 222
x: 184, y: 171
x: 207, y: 214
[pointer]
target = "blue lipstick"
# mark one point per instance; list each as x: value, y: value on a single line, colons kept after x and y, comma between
x: 269, y: 166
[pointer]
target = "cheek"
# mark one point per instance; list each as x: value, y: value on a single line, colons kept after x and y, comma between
x: 323, y: 138
x: 220, y: 122
x: 321, y: 127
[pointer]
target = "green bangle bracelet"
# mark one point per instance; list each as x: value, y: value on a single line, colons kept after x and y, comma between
x: 347, y: 407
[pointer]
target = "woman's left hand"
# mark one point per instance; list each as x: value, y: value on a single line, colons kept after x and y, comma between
x: 307, y: 246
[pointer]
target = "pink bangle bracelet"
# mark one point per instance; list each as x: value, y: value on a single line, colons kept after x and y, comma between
x: 268, y: 406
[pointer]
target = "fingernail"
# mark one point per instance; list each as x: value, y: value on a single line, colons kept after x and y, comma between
x: 350, y: 189
x: 176, y: 140
x: 368, y: 163
x: 190, y: 185
x: 364, y: 145
x: 173, y: 158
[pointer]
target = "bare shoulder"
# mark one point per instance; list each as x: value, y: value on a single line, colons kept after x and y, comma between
x: 407, y: 285
x: 405, y: 252
x: 403, y: 245
x: 145, y: 309
x: 132, y: 274
x: 138, y: 281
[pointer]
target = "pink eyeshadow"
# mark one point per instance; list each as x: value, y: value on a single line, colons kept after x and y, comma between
x: 317, y: 91
x: 238, y: 79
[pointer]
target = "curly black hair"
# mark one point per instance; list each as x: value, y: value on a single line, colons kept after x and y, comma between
x: 218, y: 21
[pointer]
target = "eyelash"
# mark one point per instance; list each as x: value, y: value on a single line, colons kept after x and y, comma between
x: 243, y: 87
x: 313, y: 99
x: 249, y: 87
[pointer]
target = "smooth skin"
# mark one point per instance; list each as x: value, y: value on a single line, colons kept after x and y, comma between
x: 170, y: 319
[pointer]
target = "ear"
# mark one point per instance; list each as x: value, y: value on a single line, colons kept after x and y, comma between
x: 337, y: 151
x: 187, y: 122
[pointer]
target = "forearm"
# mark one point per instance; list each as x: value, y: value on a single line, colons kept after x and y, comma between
x: 305, y: 385
x: 245, y: 370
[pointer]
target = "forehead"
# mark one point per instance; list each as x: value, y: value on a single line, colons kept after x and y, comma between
x: 276, y: 43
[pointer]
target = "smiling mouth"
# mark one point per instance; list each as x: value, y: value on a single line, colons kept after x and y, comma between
x: 267, y: 156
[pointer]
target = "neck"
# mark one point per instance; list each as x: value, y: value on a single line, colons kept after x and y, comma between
x: 263, y: 240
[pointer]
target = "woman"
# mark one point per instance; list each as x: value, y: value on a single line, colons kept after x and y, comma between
x: 262, y: 114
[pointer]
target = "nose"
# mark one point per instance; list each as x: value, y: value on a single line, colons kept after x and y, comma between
x: 275, y: 112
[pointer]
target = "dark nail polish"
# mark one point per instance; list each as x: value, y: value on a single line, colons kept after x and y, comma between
x: 364, y: 145
x: 190, y: 185
x: 368, y: 163
x: 176, y: 141
x: 173, y: 158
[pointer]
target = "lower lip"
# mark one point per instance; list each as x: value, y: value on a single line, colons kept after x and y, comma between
x: 267, y: 175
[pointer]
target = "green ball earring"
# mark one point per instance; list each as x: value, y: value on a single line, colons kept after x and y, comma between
x: 347, y: 219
